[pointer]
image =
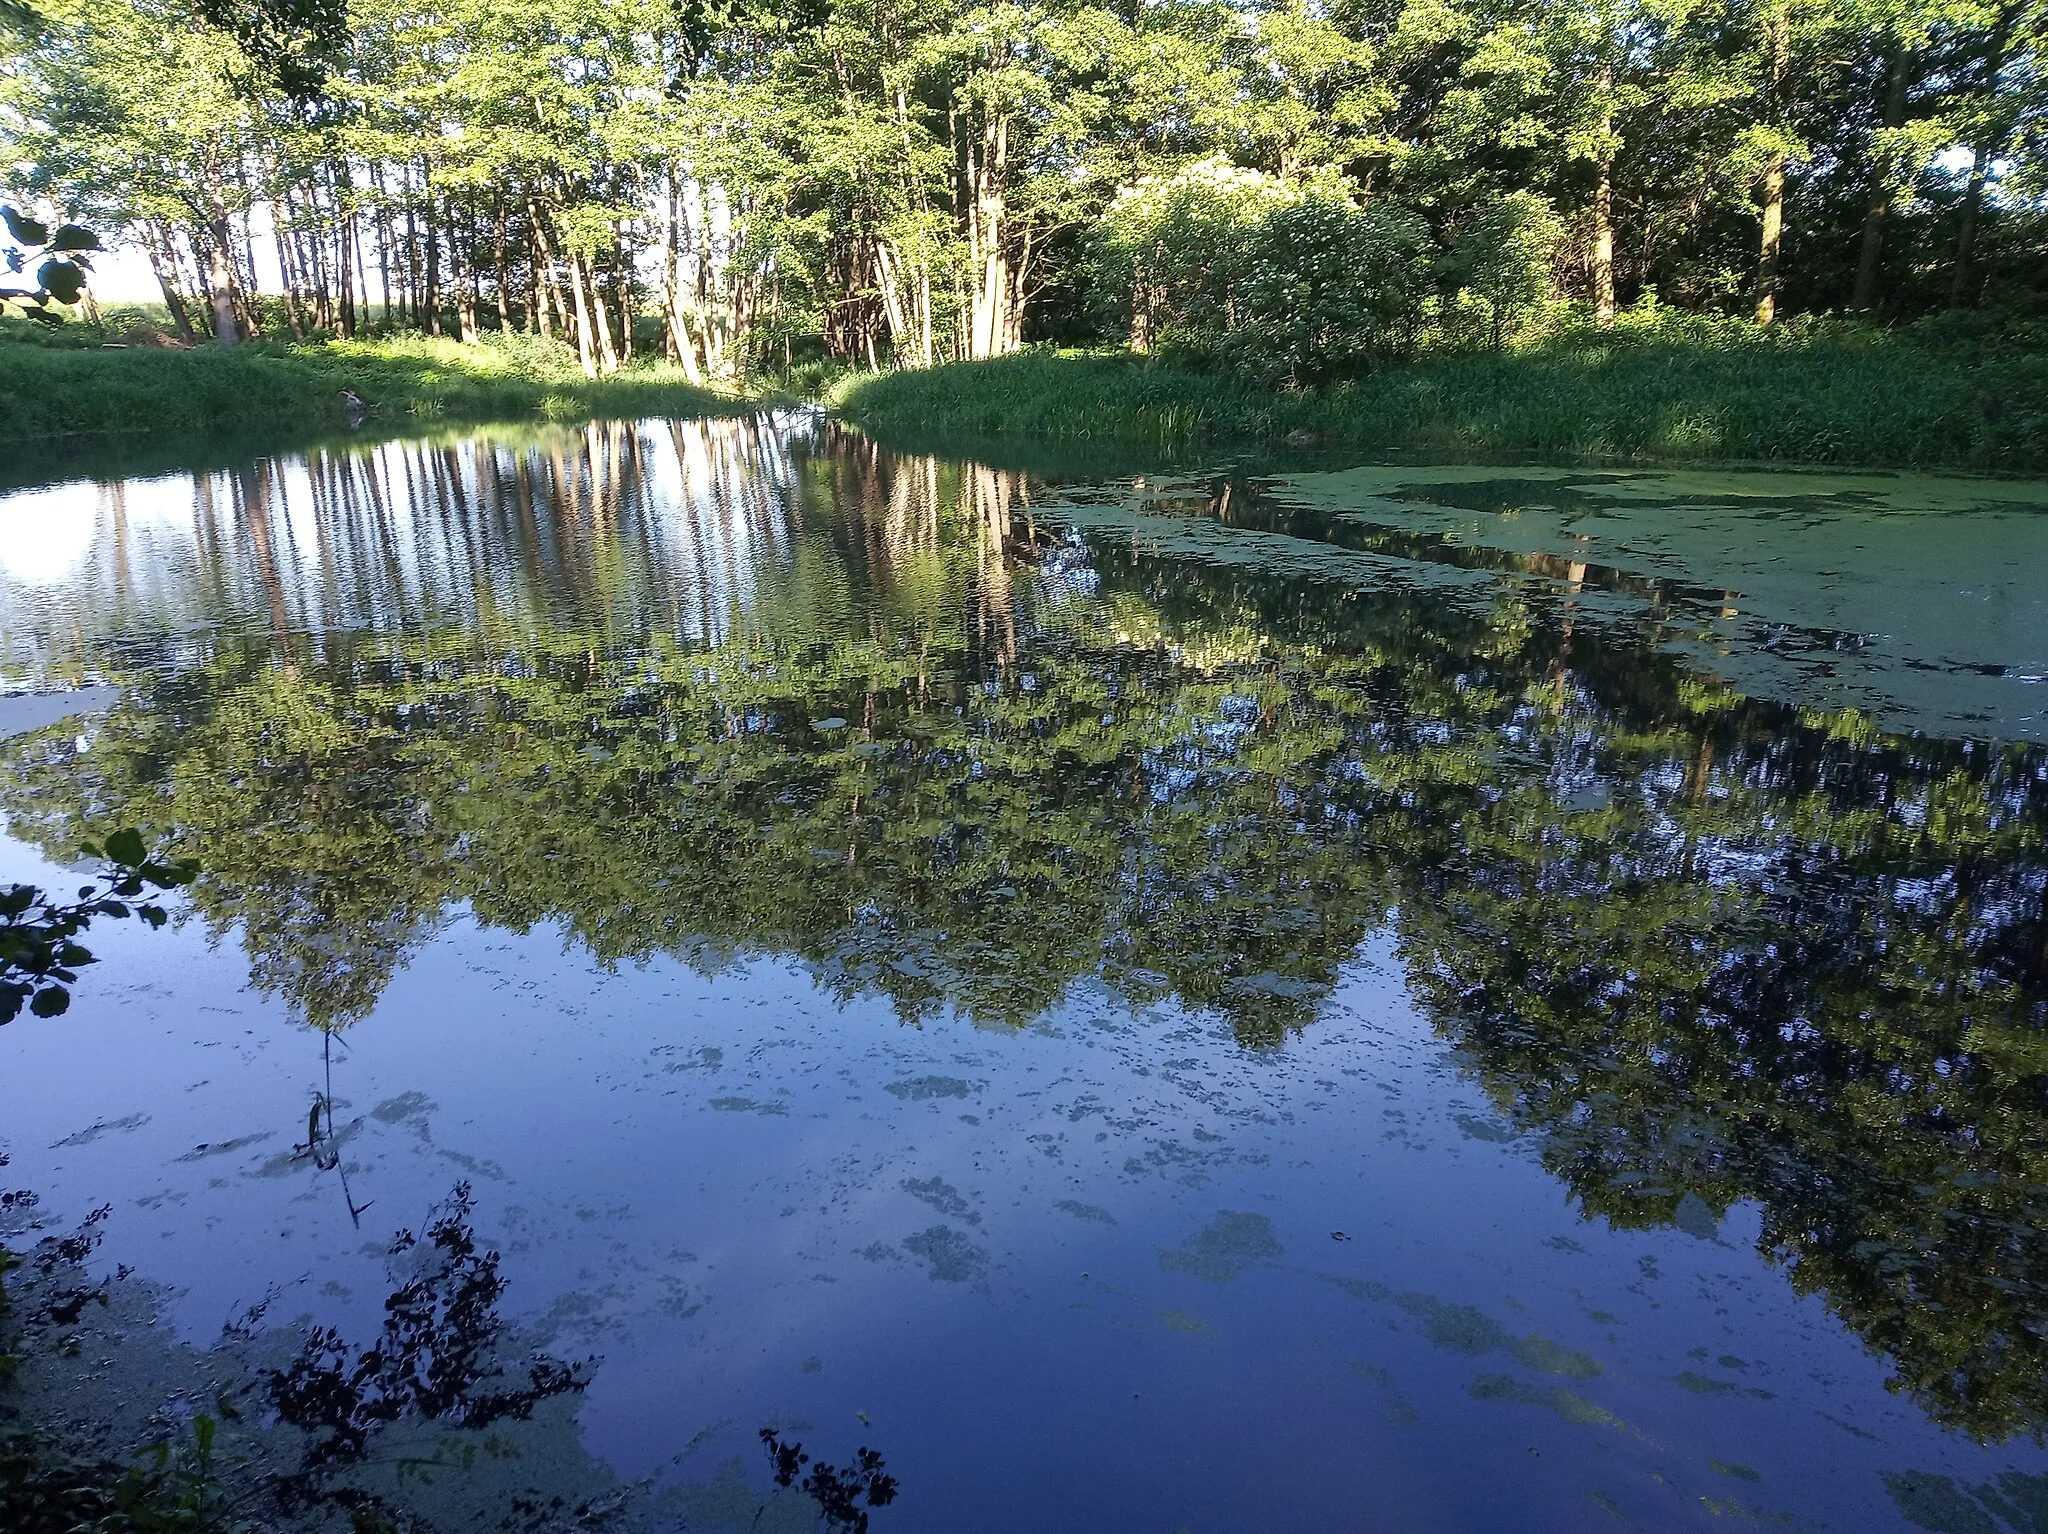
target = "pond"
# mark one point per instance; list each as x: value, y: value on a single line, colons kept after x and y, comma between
x: 1210, y: 997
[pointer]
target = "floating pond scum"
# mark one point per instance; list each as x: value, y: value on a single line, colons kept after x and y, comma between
x: 1401, y: 997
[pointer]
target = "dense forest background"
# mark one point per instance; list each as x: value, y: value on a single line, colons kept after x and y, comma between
x: 906, y: 181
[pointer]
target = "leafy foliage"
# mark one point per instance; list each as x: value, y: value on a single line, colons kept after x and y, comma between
x: 1330, y: 289
x: 754, y: 189
x: 1504, y: 255
x: 40, y: 954
x: 61, y: 260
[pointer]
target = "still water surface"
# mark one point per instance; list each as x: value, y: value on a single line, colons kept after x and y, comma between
x: 1253, y: 997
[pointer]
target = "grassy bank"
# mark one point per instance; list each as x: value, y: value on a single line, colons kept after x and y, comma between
x: 1824, y: 399
x: 50, y: 391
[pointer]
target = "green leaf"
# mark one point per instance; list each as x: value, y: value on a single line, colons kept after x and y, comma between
x: 50, y: 1001
x: 61, y: 280
x: 25, y: 229
x: 75, y: 237
x: 125, y: 847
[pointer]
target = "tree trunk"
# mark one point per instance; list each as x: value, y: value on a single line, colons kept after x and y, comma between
x: 181, y: 317
x: 504, y: 254
x: 361, y: 318
x: 1772, y: 239
x: 415, y: 261
x: 681, y: 348
x: 382, y: 224
x: 344, y: 265
x: 585, y: 330
x: 989, y: 320
x: 622, y: 280
x: 590, y: 300
x: 471, y: 281
x: 539, y: 302
x: 287, y: 271
x: 1864, y: 296
x: 1603, y: 205
x: 1960, y: 294
x: 432, y: 282
x: 924, y: 314
x: 225, y: 331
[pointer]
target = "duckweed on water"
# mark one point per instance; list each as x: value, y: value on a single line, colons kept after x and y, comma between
x: 1225, y: 1247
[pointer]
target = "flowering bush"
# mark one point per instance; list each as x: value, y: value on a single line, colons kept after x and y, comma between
x: 1175, y: 247
x: 1329, y: 289
x: 1287, y: 282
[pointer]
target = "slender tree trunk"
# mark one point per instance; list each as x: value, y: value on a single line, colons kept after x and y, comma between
x: 671, y: 263
x: 344, y: 262
x: 1770, y: 246
x: 1603, y: 204
x: 1962, y: 293
x: 383, y: 228
x: 310, y: 256
x: 355, y: 245
x: 431, y: 234
x: 1773, y: 241
x: 242, y: 283
x: 287, y: 270
x: 154, y: 236
x: 889, y: 284
x: 469, y: 279
x: 415, y: 307
x: 622, y: 281
x: 242, y: 261
x: 682, y: 349
x: 924, y: 314
x: 590, y: 299
x: 987, y: 170
x: 504, y: 254
x: 539, y: 312
x: 1864, y: 296
x: 585, y: 331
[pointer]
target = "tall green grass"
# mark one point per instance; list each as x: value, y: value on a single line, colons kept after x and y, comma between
x: 53, y: 391
x: 1822, y: 398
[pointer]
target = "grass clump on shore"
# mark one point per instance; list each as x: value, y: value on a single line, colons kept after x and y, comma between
x: 1700, y: 392
x: 50, y: 391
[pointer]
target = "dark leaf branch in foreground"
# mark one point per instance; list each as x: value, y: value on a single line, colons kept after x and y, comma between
x: 61, y: 265
x: 40, y: 954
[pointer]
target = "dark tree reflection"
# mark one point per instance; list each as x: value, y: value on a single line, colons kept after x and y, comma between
x: 438, y: 1355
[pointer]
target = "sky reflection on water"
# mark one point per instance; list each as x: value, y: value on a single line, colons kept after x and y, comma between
x: 1212, y: 1002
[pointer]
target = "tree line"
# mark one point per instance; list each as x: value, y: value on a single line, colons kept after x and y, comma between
x: 900, y: 182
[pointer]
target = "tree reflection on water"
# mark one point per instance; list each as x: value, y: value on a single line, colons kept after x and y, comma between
x: 720, y: 690
x: 437, y: 1356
